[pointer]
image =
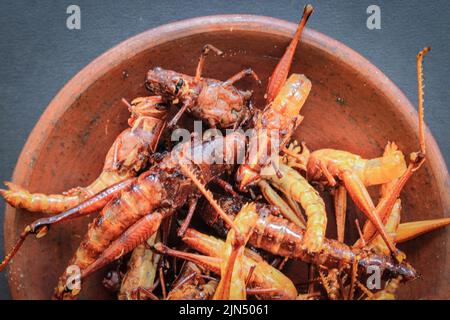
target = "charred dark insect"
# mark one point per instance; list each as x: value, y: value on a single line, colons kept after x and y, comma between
x: 133, y: 210
x: 128, y: 156
x: 217, y: 103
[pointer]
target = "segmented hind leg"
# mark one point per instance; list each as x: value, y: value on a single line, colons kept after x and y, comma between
x: 386, y: 203
x: 226, y: 186
x: 411, y: 230
x: 41, y: 226
x: 391, y: 226
x: 173, y: 122
x: 240, y: 75
x: 279, y: 75
x: 330, y: 282
x: 192, y: 206
x: 420, y: 94
x: 201, y: 61
x: 296, y: 208
x: 209, y: 263
x: 233, y: 276
x: 135, y: 235
x: 361, y: 197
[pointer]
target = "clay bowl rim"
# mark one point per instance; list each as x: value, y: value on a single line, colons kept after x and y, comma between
x: 172, y: 31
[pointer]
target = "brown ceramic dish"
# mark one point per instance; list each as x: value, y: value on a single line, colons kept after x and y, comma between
x: 353, y: 106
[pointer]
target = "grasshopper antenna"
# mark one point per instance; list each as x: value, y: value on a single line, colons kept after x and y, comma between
x: 419, y: 158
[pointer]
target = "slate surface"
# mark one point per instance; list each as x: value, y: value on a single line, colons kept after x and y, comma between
x: 38, y: 54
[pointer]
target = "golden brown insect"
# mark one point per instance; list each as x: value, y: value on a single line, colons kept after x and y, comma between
x: 232, y: 285
x: 233, y: 273
x: 135, y: 213
x: 217, y: 103
x: 128, y: 155
x: 273, y: 128
x: 281, y: 116
x: 355, y: 173
x: 265, y: 281
x: 332, y: 167
x: 161, y: 187
x: 280, y: 237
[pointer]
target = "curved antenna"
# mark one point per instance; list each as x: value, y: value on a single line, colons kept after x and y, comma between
x: 420, y: 92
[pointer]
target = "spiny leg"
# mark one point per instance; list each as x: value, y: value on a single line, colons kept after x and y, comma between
x: 227, y: 187
x: 201, y: 61
x: 192, y: 206
x: 15, y: 248
x: 363, y: 288
x: 41, y: 226
x: 361, y: 197
x: 173, y: 122
x: 238, y: 76
x: 311, y: 282
x: 233, y: 277
x: 163, y: 281
x: 163, y: 266
x: 330, y: 282
x: 185, y: 280
x: 351, y: 291
x: 391, y: 223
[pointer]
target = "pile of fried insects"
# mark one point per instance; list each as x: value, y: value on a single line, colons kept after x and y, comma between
x: 262, y: 212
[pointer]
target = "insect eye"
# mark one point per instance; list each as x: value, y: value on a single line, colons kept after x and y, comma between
x: 179, y: 85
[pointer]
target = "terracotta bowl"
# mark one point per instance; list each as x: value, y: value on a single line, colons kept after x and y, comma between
x: 352, y: 106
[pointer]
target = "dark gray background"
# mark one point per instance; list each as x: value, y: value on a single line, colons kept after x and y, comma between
x: 38, y: 54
